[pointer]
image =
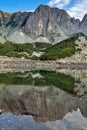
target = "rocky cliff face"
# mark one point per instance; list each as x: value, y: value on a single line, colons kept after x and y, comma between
x: 83, y: 24
x: 4, y: 17
x: 44, y: 24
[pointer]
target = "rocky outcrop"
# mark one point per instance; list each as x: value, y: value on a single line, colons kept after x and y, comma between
x: 4, y: 17
x: 80, y: 53
x: 51, y: 24
x: 83, y: 24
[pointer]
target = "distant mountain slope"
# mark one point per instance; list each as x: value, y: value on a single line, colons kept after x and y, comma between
x: 69, y: 50
x: 44, y: 24
x: 60, y: 50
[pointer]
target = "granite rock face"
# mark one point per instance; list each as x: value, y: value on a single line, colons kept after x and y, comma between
x: 51, y: 24
x: 83, y: 24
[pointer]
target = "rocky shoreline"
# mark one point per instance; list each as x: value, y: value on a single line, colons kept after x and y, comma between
x: 16, y: 64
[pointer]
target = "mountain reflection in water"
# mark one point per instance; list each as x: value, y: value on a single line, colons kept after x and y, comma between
x: 71, y: 121
x: 47, y: 96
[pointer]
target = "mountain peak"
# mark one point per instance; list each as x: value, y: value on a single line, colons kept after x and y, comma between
x: 41, y: 7
x: 84, y: 21
x: 50, y: 23
x: 4, y: 14
x: 84, y: 18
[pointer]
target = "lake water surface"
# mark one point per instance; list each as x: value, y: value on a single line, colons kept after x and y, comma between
x: 43, y: 100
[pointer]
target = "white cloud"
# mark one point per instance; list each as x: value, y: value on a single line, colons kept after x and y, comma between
x: 31, y: 10
x: 59, y: 3
x: 79, y: 9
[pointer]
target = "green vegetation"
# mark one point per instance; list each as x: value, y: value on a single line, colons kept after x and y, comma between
x: 16, y: 50
x: 21, y: 50
x: 18, y: 78
x: 62, y: 81
x: 15, y: 78
x: 60, y: 50
x: 51, y: 52
x: 42, y: 46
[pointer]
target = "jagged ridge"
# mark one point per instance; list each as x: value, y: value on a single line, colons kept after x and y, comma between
x: 44, y: 24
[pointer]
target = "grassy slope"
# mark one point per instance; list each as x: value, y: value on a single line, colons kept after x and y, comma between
x: 14, y: 50
x: 63, y: 49
x: 60, y: 50
x: 20, y: 50
x: 42, y: 46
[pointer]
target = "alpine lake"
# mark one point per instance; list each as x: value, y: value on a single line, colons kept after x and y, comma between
x: 43, y: 100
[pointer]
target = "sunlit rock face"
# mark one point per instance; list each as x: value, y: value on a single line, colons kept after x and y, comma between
x: 52, y: 24
x: 84, y: 24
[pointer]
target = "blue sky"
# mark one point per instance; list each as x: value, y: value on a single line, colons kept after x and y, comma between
x: 20, y: 5
x: 76, y: 8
